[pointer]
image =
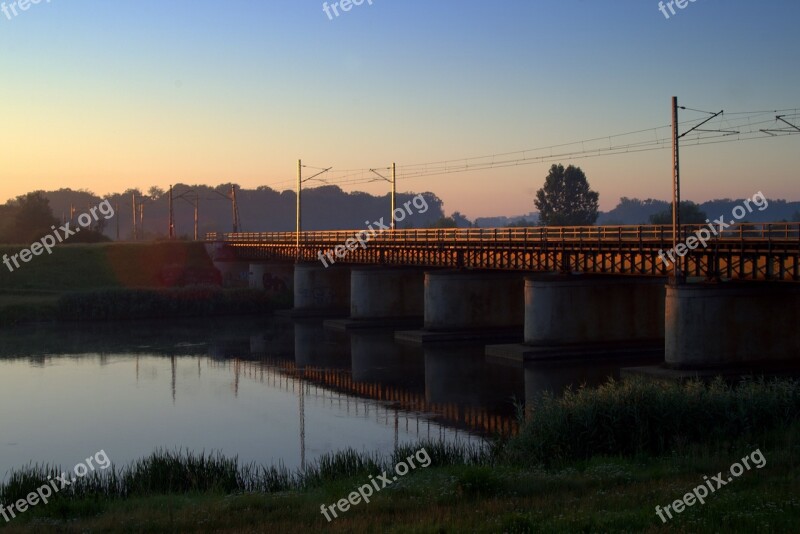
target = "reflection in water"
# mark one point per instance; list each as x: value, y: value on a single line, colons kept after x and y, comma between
x: 266, y: 389
x: 479, y: 395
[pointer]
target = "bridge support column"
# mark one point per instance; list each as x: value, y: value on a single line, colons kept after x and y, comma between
x: 321, y: 291
x: 386, y: 293
x: 586, y: 309
x: 591, y: 317
x: 462, y: 300
x: 736, y: 323
x: 383, y: 297
x: 470, y: 305
x: 234, y: 273
x: 275, y: 277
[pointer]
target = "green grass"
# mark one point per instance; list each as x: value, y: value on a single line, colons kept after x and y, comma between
x: 103, y: 265
x: 111, y: 281
x: 654, y: 417
x: 116, y: 304
x: 496, y: 489
x: 601, y: 495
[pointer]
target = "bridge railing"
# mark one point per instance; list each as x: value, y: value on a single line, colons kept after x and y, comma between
x: 625, y: 233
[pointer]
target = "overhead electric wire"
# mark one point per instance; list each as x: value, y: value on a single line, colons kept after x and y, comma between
x: 746, y: 123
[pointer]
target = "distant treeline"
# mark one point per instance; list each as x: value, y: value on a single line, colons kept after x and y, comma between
x: 260, y: 210
x: 324, y: 208
x: 636, y: 211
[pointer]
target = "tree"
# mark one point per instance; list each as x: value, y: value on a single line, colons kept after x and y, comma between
x: 566, y: 199
x: 33, y: 218
x: 444, y: 222
x: 521, y: 223
x: 689, y: 211
x: 460, y: 220
x: 796, y: 216
x: 155, y: 192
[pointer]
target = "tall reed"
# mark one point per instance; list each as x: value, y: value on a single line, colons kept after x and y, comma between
x: 652, y: 417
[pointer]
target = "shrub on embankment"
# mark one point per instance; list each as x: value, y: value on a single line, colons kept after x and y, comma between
x: 122, y: 281
x: 639, y: 416
x: 118, y: 304
x: 93, y: 266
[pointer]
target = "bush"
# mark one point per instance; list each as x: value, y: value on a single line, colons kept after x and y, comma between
x: 639, y: 416
x: 114, y: 304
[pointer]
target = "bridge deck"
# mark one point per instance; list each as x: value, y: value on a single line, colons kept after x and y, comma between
x: 760, y: 251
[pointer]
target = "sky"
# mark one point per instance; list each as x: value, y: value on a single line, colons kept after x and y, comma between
x: 107, y: 96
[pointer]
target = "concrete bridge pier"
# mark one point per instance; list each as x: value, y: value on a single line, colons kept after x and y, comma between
x: 464, y: 305
x: 273, y: 276
x: 589, y: 317
x: 235, y: 274
x: 732, y: 324
x: 384, y: 297
x: 321, y: 291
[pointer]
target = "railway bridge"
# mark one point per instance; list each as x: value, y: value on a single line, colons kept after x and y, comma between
x: 730, y: 297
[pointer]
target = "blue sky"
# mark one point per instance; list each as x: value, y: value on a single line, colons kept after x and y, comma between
x: 111, y: 95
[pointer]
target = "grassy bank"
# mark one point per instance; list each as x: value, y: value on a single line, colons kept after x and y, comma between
x: 103, y: 265
x: 112, y: 281
x: 550, y: 478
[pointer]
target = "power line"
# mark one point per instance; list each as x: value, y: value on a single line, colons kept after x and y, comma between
x: 727, y: 127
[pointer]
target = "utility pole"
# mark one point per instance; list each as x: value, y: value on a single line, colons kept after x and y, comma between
x: 116, y: 219
x: 171, y: 216
x: 298, y: 218
x: 298, y: 209
x: 392, y: 181
x: 394, y: 192
x: 141, y: 218
x: 235, y: 209
x: 196, y: 214
x: 135, y: 233
x: 677, y: 276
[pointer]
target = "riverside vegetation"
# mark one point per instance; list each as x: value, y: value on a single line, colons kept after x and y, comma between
x: 105, y: 281
x: 593, y: 460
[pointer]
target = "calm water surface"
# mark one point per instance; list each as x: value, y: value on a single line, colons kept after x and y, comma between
x: 266, y: 390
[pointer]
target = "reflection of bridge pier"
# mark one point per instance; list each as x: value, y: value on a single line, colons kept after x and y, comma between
x: 277, y: 341
x: 459, y: 375
x: 376, y: 357
x: 314, y: 346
